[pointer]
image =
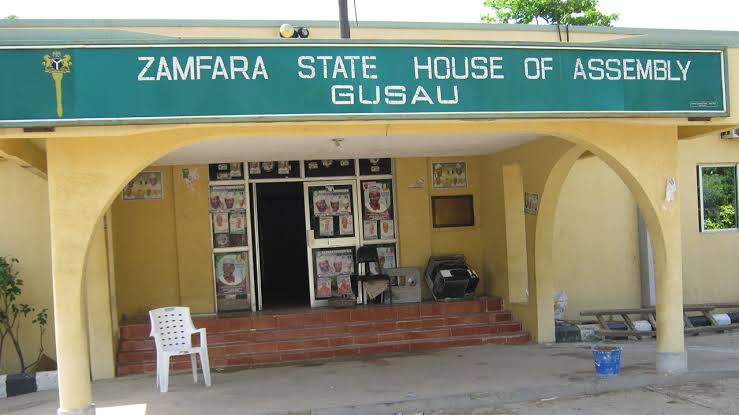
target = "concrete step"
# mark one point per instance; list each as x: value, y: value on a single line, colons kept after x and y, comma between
x: 326, y: 317
x: 268, y: 346
x: 182, y: 363
x: 339, y: 329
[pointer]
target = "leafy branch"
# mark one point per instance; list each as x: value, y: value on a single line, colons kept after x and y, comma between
x: 12, y: 312
x: 553, y: 12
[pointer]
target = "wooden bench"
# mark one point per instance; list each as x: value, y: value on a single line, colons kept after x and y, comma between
x: 649, y: 314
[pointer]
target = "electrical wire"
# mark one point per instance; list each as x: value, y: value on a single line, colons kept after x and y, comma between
x: 356, y: 19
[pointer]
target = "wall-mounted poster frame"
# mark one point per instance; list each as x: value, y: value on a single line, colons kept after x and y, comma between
x: 230, y: 228
x: 147, y: 185
x: 449, y: 174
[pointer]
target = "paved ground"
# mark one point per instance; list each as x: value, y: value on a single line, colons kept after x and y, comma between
x: 494, y: 378
x: 697, y: 398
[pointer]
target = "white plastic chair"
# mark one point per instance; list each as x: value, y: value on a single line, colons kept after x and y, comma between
x: 172, y: 330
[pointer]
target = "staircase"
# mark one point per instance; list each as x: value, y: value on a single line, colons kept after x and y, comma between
x: 325, y: 334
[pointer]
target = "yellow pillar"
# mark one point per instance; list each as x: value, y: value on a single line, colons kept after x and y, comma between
x: 671, y: 355
x: 100, y: 324
x: 515, y: 234
x: 71, y: 227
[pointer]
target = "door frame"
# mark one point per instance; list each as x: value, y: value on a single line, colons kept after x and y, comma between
x: 355, y: 179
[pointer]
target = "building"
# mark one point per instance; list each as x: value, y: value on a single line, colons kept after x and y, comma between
x: 149, y: 132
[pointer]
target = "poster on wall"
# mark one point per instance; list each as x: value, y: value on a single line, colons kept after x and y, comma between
x: 385, y: 257
x: 449, y: 175
x: 226, y: 171
x: 236, y: 222
x: 220, y: 222
x: 377, y: 209
x: 370, y: 229
x: 344, y: 285
x: 326, y: 226
x: 346, y: 225
x: 147, y: 185
x: 332, y: 267
x: 231, y: 275
x: 332, y: 202
x: 530, y: 203
x: 387, y: 229
x: 227, y: 205
x: 331, y: 211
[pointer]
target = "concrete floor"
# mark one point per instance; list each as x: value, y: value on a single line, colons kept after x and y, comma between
x: 462, y: 379
x: 697, y: 398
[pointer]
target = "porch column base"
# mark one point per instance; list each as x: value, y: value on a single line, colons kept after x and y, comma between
x: 89, y: 410
x: 671, y: 363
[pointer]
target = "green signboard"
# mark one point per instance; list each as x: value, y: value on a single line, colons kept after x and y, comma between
x: 102, y: 84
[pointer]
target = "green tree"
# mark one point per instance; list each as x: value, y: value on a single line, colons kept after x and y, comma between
x: 562, y: 12
x: 11, y: 17
x: 12, y: 312
x: 719, y: 197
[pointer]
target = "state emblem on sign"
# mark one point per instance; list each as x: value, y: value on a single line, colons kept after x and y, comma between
x: 57, y: 65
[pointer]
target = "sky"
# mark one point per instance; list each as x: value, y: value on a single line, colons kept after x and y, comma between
x: 671, y: 14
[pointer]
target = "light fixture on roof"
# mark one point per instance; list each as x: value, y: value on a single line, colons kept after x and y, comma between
x: 338, y: 146
x: 288, y: 31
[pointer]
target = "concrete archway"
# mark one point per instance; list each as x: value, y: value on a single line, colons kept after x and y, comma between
x: 86, y: 174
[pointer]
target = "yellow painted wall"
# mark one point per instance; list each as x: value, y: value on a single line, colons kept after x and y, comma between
x: 162, y: 247
x: 145, y: 247
x: 710, y: 261
x: 418, y: 239
x: 24, y: 220
x: 596, y: 250
x: 597, y: 261
x: 193, y: 240
x: 536, y: 159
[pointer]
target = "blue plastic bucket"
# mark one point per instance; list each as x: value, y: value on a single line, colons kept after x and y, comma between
x: 607, y: 360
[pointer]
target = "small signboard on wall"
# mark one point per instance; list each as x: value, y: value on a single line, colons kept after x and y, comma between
x: 531, y: 203
x: 147, y: 185
x: 449, y: 175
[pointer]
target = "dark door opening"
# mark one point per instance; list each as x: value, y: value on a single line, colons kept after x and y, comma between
x: 282, y: 245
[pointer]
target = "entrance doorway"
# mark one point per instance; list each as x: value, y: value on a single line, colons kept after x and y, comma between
x: 282, y: 245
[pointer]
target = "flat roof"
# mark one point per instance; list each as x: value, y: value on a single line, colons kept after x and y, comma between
x: 86, y: 31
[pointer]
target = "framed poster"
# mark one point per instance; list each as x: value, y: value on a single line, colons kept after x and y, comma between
x: 370, y: 229
x: 147, y: 185
x: 232, y: 282
x: 326, y: 226
x: 346, y: 225
x: 387, y: 229
x: 386, y: 258
x: 332, y: 268
x: 227, y: 205
x: 344, y: 285
x: 226, y: 171
x: 331, y: 209
x: 329, y: 168
x: 283, y: 169
x: 378, y: 220
x: 374, y: 167
x: 449, y: 175
x: 220, y: 222
x: 531, y: 203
